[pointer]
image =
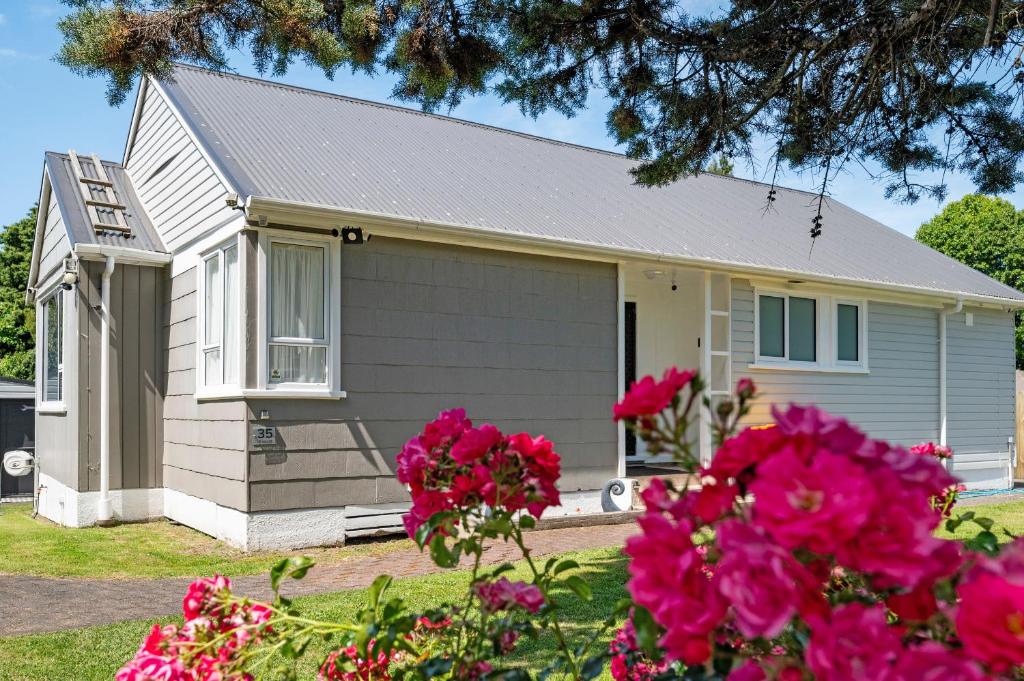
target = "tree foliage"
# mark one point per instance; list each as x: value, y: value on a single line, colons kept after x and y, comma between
x: 17, y: 320
x: 720, y: 166
x: 987, y: 234
x: 900, y: 86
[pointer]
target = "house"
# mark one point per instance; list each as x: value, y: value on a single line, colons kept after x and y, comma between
x: 244, y: 319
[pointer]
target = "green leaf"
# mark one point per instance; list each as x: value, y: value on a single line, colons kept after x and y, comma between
x: 579, y: 587
x: 647, y: 632
x: 565, y: 565
x: 440, y: 554
x: 527, y: 522
x: 378, y: 587
x: 985, y: 542
x: 434, y: 666
x: 502, y: 569
x: 295, y: 567
x: 984, y: 523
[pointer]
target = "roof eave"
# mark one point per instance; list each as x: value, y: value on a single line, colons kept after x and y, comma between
x: 328, y: 216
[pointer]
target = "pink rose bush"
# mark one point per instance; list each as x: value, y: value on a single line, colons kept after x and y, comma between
x: 802, y: 550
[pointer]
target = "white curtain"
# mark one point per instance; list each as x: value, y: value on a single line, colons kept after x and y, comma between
x: 54, y: 321
x: 298, y: 364
x: 231, y: 315
x: 212, y: 320
x: 296, y: 291
x: 297, y: 311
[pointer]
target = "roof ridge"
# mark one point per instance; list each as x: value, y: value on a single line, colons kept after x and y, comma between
x: 64, y: 154
x: 462, y: 121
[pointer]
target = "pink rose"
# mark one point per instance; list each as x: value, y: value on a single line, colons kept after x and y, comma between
x: 739, y: 455
x: 990, y: 620
x: 648, y: 397
x: 203, y: 595
x: 916, y: 605
x: 854, y: 644
x: 898, y: 548
x: 816, y: 505
x: 501, y: 594
x: 931, y: 661
x: 668, y: 578
x: 762, y: 582
x: 475, y: 443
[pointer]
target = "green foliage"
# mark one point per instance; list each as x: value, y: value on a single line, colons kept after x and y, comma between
x: 985, y: 233
x: 17, y: 320
x: 720, y: 166
x: 825, y: 81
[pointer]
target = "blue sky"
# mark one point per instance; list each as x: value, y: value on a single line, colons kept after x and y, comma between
x: 44, y: 106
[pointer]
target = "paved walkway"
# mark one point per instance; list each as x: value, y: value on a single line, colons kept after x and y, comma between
x: 40, y: 604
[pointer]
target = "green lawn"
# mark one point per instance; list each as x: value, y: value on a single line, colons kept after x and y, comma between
x: 156, y: 549
x: 61, y: 656
x: 1008, y: 515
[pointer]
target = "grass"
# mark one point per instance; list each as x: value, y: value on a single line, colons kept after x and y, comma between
x: 60, y: 656
x: 1008, y: 515
x: 156, y: 549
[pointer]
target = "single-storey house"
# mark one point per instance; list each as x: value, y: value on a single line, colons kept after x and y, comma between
x: 243, y: 319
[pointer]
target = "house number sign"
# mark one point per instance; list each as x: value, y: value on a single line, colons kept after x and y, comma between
x: 263, y: 435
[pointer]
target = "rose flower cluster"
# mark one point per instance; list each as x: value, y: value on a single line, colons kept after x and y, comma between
x: 211, y: 645
x: 453, y: 466
x: 808, y: 550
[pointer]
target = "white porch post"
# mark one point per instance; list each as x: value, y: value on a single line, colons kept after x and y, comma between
x: 621, y: 361
x: 704, y: 422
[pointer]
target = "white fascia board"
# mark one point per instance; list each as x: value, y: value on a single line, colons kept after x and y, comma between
x: 125, y: 256
x: 280, y: 211
x: 140, y: 98
x: 37, y: 242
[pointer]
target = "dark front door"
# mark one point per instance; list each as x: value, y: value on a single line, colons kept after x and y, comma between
x: 629, y: 359
x: 17, y: 431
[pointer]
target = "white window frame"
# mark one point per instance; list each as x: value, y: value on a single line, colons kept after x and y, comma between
x: 44, y: 405
x: 826, y: 333
x: 332, y: 318
x: 204, y: 391
x: 862, y: 332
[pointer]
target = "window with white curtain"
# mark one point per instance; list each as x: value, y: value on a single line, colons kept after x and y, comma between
x: 53, y: 348
x: 220, y: 338
x: 298, y: 322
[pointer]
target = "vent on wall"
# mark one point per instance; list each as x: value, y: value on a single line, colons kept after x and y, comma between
x: 106, y: 212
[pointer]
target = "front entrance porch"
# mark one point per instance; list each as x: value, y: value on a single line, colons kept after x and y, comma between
x: 672, y: 316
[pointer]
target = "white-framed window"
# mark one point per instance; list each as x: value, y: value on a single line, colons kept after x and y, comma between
x: 219, y: 363
x: 849, y: 332
x: 51, y: 350
x: 300, y: 328
x: 808, y: 331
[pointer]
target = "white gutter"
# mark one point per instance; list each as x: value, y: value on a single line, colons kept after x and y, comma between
x: 943, y: 416
x: 125, y: 256
x: 105, y: 512
x: 330, y: 216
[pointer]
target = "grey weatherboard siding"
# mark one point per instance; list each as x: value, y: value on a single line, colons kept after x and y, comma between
x: 525, y: 342
x: 981, y: 380
x: 136, y: 384
x: 899, y: 399
x: 204, y: 442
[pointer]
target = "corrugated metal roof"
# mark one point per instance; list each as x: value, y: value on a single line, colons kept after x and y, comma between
x: 143, y: 235
x: 291, y: 144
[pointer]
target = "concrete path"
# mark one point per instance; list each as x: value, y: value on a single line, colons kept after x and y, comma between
x: 39, y: 604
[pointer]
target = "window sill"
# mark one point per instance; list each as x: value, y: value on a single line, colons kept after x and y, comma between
x: 808, y: 368
x: 51, y: 408
x: 271, y: 394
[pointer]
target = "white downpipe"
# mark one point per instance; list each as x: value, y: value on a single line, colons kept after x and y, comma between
x: 943, y: 415
x: 620, y: 343
x: 105, y: 511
